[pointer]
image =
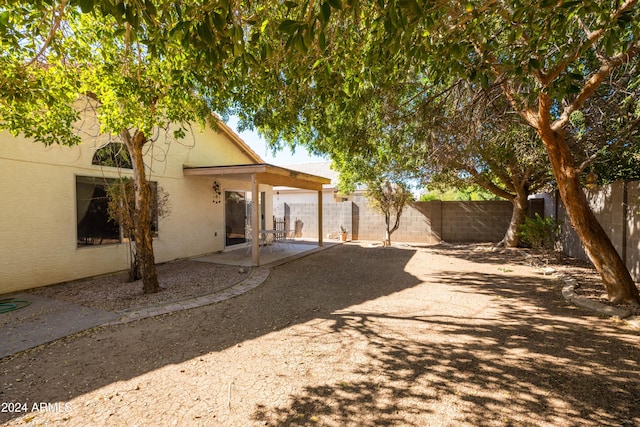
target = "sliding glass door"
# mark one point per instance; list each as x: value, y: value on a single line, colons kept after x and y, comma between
x: 237, y: 208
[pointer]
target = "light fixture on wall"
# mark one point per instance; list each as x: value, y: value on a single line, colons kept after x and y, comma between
x: 216, y: 192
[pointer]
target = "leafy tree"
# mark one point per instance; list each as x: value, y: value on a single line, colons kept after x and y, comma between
x: 547, y: 57
x: 537, y: 54
x: 385, y: 182
x: 475, y: 140
x: 604, y: 134
x: 138, y: 97
x: 455, y: 134
x: 139, y: 66
x: 466, y: 137
x: 38, y: 91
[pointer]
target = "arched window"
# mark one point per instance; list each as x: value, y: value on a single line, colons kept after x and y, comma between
x: 112, y: 154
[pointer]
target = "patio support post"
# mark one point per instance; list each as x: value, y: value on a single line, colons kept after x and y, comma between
x: 320, y: 218
x: 255, y: 221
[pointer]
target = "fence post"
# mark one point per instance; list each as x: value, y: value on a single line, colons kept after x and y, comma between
x: 436, y: 221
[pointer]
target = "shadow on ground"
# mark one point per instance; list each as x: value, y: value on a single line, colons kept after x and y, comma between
x: 534, y: 361
x: 531, y: 378
x: 473, y: 346
x: 305, y: 289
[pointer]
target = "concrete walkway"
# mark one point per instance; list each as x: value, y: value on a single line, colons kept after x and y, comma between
x: 44, y: 320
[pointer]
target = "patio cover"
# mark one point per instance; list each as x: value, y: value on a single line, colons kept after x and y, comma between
x: 264, y: 173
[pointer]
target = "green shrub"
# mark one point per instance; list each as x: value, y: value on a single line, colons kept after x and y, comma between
x: 540, y: 233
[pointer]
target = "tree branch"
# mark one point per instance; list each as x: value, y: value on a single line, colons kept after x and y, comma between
x: 490, y: 185
x: 56, y: 20
x: 601, y: 56
x: 589, y: 160
x: 594, y: 82
x: 592, y: 37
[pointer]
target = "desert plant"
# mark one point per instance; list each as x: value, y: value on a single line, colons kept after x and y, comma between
x: 389, y: 198
x: 540, y: 233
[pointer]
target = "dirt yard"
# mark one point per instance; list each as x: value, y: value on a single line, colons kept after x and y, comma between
x: 350, y: 336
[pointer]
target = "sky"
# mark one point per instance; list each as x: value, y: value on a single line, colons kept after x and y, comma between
x: 281, y: 158
x: 284, y: 157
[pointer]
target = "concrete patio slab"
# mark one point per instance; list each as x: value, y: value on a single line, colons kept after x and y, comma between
x: 269, y: 255
x: 45, y: 320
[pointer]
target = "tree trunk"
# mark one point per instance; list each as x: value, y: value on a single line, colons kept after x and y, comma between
x: 387, y: 232
x: 511, y: 238
x: 142, y: 233
x: 388, y: 229
x: 134, y: 267
x: 621, y: 288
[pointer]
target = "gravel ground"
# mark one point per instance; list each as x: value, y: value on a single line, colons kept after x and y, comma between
x: 178, y: 280
x: 350, y: 336
x: 589, y: 282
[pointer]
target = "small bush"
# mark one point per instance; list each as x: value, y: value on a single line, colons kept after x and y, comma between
x: 540, y: 233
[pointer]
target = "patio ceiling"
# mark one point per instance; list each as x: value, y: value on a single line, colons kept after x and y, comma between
x: 264, y: 174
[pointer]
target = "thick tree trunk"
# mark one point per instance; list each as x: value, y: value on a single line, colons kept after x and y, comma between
x: 511, y: 238
x: 142, y: 233
x: 615, y: 276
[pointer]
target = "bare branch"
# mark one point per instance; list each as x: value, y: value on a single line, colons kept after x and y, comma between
x: 487, y: 184
x: 56, y: 20
x: 589, y: 160
x: 601, y: 56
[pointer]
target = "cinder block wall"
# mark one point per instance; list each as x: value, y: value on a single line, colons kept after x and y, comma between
x: 617, y: 208
x: 415, y: 226
x: 482, y: 221
x: 303, y: 217
x: 632, y: 222
x: 421, y: 222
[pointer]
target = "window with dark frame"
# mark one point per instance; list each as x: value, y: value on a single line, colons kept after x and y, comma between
x: 94, y: 227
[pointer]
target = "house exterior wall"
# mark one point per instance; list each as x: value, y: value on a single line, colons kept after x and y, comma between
x: 289, y: 196
x: 38, y: 224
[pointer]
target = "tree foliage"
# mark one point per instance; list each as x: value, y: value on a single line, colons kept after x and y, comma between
x: 135, y: 65
x: 38, y: 90
x: 540, y: 233
x: 547, y: 57
x: 605, y: 133
x: 301, y: 71
x: 477, y: 140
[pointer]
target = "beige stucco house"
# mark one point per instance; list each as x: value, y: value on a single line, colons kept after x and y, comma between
x: 53, y: 225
